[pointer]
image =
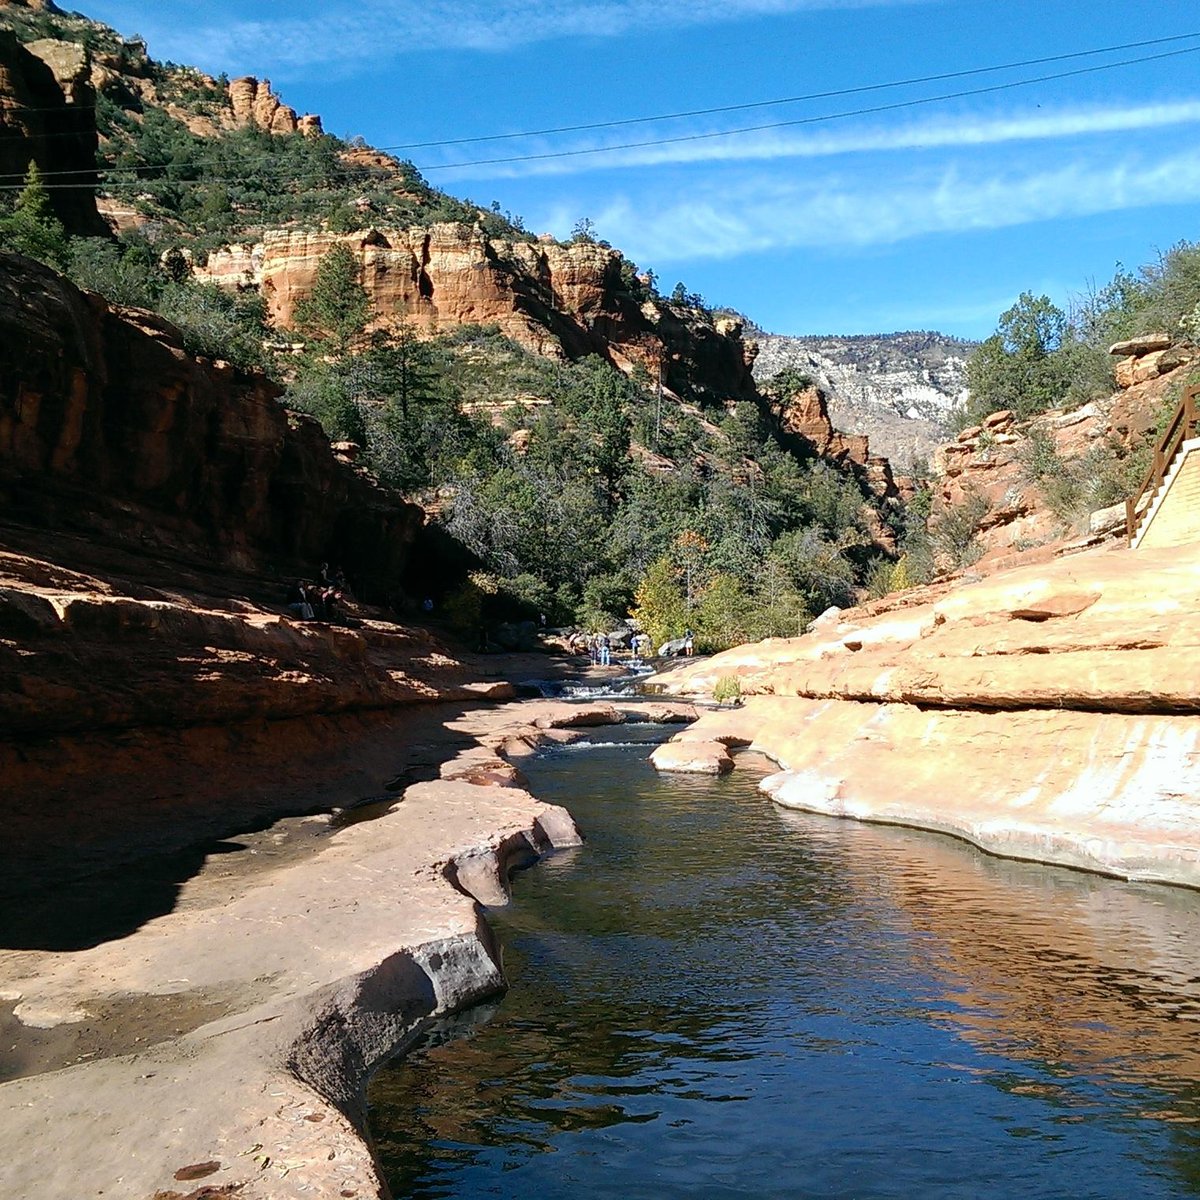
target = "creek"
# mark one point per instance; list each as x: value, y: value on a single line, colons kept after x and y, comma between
x: 717, y: 997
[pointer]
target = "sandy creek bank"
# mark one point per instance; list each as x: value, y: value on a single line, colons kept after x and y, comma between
x: 219, y: 1044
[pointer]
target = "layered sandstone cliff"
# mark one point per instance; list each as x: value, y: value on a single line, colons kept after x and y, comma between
x: 804, y: 418
x: 1047, y: 712
x: 554, y: 299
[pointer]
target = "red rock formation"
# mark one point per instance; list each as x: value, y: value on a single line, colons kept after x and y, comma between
x: 556, y: 300
x: 987, y: 462
x: 806, y: 415
x: 40, y: 122
x: 253, y: 103
x: 107, y: 424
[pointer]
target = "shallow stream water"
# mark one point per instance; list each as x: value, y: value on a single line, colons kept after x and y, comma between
x: 715, y: 997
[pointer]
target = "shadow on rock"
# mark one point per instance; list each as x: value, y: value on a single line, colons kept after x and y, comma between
x: 103, y: 907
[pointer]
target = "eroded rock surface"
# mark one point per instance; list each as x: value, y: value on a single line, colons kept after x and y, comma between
x: 279, y: 988
x: 1011, y: 472
x: 47, y: 116
x: 108, y: 426
x: 321, y: 969
x: 1047, y: 712
x: 557, y: 300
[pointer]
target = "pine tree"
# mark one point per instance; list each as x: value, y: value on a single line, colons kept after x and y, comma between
x: 32, y: 228
x: 402, y: 367
x: 338, y: 309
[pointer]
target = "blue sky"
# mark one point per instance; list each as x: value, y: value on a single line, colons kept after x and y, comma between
x: 935, y: 215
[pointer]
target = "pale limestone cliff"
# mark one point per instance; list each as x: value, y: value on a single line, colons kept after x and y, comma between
x: 898, y: 389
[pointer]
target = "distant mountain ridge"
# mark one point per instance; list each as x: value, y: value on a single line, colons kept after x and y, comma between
x: 897, y: 388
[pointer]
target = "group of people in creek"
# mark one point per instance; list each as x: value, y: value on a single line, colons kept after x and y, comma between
x: 321, y: 599
x: 599, y: 647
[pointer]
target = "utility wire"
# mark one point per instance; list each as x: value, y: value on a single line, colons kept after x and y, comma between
x: 830, y: 95
x: 111, y: 172
x: 858, y: 112
x: 727, y: 108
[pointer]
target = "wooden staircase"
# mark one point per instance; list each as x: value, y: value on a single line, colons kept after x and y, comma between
x: 1171, y: 455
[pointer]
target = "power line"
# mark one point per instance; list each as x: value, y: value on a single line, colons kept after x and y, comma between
x: 830, y: 95
x: 727, y: 108
x: 858, y: 112
x: 110, y: 172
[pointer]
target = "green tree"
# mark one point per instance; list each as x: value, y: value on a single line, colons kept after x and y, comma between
x: 605, y: 602
x: 215, y: 323
x: 400, y: 367
x: 584, y: 230
x: 1019, y: 366
x: 816, y: 568
x: 336, y: 312
x: 124, y: 274
x: 726, y: 614
x: 659, y: 604
x: 321, y: 390
x: 32, y: 228
x: 785, y: 384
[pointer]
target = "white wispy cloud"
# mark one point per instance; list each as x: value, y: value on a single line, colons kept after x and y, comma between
x: 773, y: 145
x: 370, y: 31
x: 838, y: 212
x: 930, y: 134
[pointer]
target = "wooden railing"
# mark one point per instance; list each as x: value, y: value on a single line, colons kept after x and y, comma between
x: 1184, y: 425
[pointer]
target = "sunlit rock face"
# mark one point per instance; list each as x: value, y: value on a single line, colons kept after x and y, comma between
x: 898, y: 389
x: 562, y: 301
x: 1046, y: 712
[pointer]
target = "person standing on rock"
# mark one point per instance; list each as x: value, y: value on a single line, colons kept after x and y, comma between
x: 688, y: 643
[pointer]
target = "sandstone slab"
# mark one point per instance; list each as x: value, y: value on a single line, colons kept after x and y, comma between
x: 1049, y: 712
x: 692, y: 757
x: 299, y: 984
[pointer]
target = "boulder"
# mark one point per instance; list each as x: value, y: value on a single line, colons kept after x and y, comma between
x: 1146, y: 343
x: 692, y: 758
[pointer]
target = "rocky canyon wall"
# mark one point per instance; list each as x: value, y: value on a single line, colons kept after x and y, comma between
x: 109, y: 427
x: 47, y: 116
x: 1018, y: 472
x: 557, y: 300
x: 898, y: 389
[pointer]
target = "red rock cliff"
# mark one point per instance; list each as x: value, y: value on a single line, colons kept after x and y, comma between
x: 108, y: 425
x: 558, y: 300
x: 46, y: 116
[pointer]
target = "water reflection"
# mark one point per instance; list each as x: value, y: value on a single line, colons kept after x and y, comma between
x: 1084, y: 975
x: 718, y: 997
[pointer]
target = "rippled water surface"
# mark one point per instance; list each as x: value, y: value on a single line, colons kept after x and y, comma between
x: 715, y: 997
